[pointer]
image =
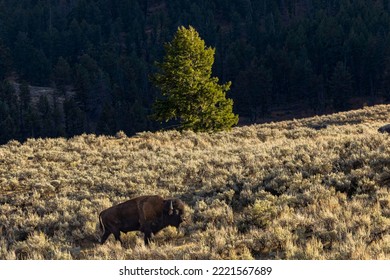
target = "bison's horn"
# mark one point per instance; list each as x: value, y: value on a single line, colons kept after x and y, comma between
x: 171, y: 208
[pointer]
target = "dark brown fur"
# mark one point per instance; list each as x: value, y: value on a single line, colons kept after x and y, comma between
x: 385, y: 128
x: 148, y: 214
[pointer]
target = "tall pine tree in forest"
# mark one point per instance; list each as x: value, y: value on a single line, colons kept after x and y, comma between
x: 190, y: 94
x: 341, y: 86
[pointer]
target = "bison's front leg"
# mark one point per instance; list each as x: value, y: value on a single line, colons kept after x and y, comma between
x: 117, y: 235
x: 107, y: 233
x: 147, y: 231
x: 147, y: 237
x: 104, y: 237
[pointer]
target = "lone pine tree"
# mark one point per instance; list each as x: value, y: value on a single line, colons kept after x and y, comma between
x: 190, y: 94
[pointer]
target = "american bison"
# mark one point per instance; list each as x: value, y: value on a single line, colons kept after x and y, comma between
x: 385, y: 128
x: 148, y: 214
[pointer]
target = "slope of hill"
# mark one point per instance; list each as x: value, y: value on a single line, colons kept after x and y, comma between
x: 300, y: 189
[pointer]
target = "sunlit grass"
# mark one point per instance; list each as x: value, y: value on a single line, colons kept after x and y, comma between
x: 281, y: 190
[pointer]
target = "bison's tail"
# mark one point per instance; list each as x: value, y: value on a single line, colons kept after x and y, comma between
x: 101, y: 223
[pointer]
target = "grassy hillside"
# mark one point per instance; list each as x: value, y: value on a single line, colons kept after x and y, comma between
x: 287, y: 190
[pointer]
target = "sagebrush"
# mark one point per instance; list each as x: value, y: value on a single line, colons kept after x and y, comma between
x: 300, y: 189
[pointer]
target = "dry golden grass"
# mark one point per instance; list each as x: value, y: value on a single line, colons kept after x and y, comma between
x: 274, y: 191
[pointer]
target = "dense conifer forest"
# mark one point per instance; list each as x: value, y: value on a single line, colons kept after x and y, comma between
x: 306, y: 56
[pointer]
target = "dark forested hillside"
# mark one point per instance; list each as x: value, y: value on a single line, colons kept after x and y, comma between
x: 313, y: 55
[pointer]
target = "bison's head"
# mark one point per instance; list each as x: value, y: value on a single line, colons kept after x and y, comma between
x: 174, y: 212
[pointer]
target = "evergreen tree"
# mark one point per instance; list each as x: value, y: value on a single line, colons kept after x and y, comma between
x: 191, y: 95
x: 9, y: 112
x: 106, y: 124
x: 24, y: 95
x: 62, y: 74
x: 24, y: 106
x: 45, y: 122
x: 340, y: 86
x: 5, y: 60
x: 7, y: 128
x: 74, y: 118
x: 386, y: 80
x: 253, y: 90
x: 58, y: 119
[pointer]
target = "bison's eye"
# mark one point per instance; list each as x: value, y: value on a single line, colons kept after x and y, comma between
x: 177, y: 212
